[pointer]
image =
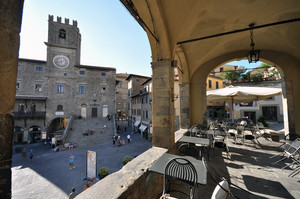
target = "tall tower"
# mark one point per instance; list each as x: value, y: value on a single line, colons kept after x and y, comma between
x: 63, y: 54
x: 64, y: 43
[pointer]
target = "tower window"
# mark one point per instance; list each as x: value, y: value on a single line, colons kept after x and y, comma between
x: 60, y: 88
x: 81, y: 89
x: 59, y: 108
x: 62, y: 34
x: 82, y: 72
x: 39, y: 68
x: 217, y: 85
x: 103, y: 74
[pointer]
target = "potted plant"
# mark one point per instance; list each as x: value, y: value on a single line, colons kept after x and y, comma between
x: 127, y: 159
x: 103, y: 172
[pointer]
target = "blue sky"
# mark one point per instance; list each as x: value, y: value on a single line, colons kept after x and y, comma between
x: 110, y: 35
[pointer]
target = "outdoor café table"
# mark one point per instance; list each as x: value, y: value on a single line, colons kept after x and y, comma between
x: 160, y: 164
x: 199, y: 142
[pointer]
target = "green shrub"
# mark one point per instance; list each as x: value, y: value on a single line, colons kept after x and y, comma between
x: 263, y: 121
x: 103, y: 172
x: 79, y: 117
x: 127, y: 159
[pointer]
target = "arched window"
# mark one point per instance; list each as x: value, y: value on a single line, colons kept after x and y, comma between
x: 59, y: 108
x: 62, y: 34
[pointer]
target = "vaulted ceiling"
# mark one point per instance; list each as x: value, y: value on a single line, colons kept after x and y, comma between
x: 169, y: 23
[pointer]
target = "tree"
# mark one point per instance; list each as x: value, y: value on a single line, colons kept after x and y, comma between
x: 232, y: 75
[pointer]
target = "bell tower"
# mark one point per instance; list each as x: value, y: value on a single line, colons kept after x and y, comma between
x: 64, y: 44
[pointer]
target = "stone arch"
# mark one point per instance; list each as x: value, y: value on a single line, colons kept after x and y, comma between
x: 287, y: 65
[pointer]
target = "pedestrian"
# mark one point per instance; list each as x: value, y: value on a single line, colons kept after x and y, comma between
x: 30, y: 155
x: 114, y: 140
x: 128, y: 138
x: 95, y: 180
x: 125, y: 129
x: 71, y: 159
x: 24, y: 153
x: 73, y: 194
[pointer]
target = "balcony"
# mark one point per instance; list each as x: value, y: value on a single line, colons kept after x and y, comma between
x: 135, y: 180
x: 29, y: 115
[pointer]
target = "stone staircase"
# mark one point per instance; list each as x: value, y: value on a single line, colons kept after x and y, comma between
x: 80, y: 125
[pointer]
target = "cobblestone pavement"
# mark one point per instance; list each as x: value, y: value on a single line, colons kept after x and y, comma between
x: 48, y: 176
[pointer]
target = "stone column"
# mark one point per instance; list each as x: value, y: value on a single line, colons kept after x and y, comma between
x: 163, y: 105
x: 184, y: 90
x: 10, y: 24
x: 291, y: 108
x: 198, y: 103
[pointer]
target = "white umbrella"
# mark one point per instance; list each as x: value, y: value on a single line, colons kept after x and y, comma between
x: 235, y: 94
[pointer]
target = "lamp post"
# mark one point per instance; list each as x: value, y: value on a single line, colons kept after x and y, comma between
x: 253, y: 55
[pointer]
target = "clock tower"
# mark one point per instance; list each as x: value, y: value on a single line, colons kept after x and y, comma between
x: 63, y: 46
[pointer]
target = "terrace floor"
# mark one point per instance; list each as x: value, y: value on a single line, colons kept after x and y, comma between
x: 250, y: 167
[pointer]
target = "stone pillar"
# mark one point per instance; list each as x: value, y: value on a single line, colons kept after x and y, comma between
x: 291, y: 108
x: 163, y: 105
x: 184, y: 90
x: 198, y: 103
x: 10, y: 24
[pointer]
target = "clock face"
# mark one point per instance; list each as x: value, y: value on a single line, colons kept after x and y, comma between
x: 61, y: 61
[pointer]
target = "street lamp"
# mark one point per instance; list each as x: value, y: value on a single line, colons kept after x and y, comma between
x: 253, y: 55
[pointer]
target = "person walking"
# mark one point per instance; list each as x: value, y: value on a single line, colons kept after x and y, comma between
x: 73, y: 194
x: 30, y: 156
x: 71, y: 159
x: 128, y: 138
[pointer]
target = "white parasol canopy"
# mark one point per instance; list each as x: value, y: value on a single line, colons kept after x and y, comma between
x: 235, y: 94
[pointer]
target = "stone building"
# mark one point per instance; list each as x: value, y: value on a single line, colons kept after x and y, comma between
x: 134, y: 89
x: 146, y: 105
x: 52, y: 90
x: 122, y: 99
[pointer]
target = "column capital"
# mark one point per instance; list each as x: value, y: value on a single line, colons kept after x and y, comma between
x: 163, y: 62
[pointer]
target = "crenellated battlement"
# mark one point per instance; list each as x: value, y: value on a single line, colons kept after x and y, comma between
x: 58, y: 20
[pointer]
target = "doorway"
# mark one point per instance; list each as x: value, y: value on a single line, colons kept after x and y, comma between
x: 270, y: 113
x: 94, y: 112
x: 83, y: 111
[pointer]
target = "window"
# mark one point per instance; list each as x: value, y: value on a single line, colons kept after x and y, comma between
x: 82, y: 72
x: 38, y: 68
x: 60, y: 88
x: 209, y: 83
x: 142, y: 100
x: 62, y: 34
x: 65, y: 74
x: 137, y: 80
x: 19, y: 67
x: 21, y: 107
x: 103, y: 74
x: 59, y: 108
x: 146, y: 99
x: 18, y: 85
x: 38, y: 87
x: 217, y: 85
x: 146, y: 114
x: 81, y: 89
x: 33, y: 107
x: 103, y: 90
x: 120, y: 85
x: 221, y: 69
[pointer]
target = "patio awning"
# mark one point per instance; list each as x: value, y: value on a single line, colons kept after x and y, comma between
x: 137, y: 123
x: 143, y: 128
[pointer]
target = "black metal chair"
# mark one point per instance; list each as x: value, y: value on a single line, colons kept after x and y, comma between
x: 183, y: 170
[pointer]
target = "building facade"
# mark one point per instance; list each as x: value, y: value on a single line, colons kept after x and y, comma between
x: 135, y: 100
x: 52, y: 90
x: 122, y: 98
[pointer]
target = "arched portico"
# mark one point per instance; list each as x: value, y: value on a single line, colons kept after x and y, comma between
x: 190, y: 33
